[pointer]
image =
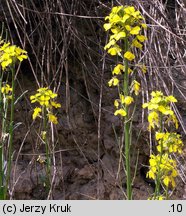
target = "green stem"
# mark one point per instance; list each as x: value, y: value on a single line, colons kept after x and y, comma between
x: 3, y: 139
x: 46, y: 145
x: 167, y: 194
x: 11, y: 128
x: 127, y: 128
x: 158, y: 180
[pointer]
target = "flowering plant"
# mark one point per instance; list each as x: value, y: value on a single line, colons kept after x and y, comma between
x: 45, y: 97
x: 126, y: 25
x: 46, y: 100
x: 162, y: 166
x: 9, y: 54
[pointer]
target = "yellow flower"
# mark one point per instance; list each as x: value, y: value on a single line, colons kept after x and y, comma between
x: 121, y: 112
x: 6, y: 89
x: 129, y: 10
x: 150, y: 174
x: 129, y: 70
x: 125, y: 18
x: 116, y: 9
x: 167, y: 181
x: 36, y: 113
x: 164, y: 168
x: 145, y: 105
x: 137, y: 15
x: 156, y: 93
x: 115, y: 30
x: 135, y: 30
x: 156, y: 100
x: 114, y: 50
x: 47, y: 92
x: 115, y: 19
x: 161, y: 103
x: 44, y: 102
x: 118, y: 36
x: 110, y: 43
x: 153, y: 119
x: 144, y: 25
x: 122, y: 98
x: 5, y: 45
x: 113, y: 82
x: 130, y: 56
x: 56, y: 105
x: 128, y: 100
x: 153, y: 106
x: 9, y: 54
x: 45, y: 98
x: 159, y: 135
x: 52, y: 118
x: 136, y: 87
x: 153, y: 161
x: 124, y: 21
x: 136, y: 44
x: 116, y: 104
x: 169, y: 142
x: 161, y: 197
x: 141, y: 38
x: 171, y: 98
x: 107, y: 26
x: 5, y: 61
x: 165, y: 110
x: 128, y: 27
x: 118, y: 69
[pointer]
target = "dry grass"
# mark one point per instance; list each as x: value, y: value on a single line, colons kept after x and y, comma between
x: 64, y: 36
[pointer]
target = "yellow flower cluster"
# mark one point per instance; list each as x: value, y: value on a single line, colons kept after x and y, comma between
x: 162, y: 166
x: 6, y: 90
x: 159, y: 105
x: 45, y: 97
x: 120, y: 105
x: 169, y: 142
x: 118, y: 70
x: 9, y: 54
x: 124, y: 22
x: 124, y: 101
x: 166, y: 168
